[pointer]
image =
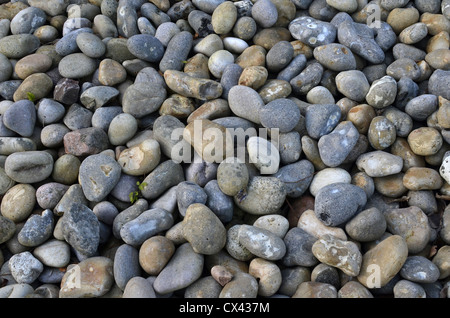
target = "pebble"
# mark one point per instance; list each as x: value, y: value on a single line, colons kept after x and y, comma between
x: 53, y: 253
x: 368, y: 225
x: 299, y: 248
x: 374, y: 163
x: 311, y: 31
x: 176, y: 275
x: 269, y: 246
x: 410, y: 223
x: 309, y: 223
x: 146, y: 225
x: 419, y: 269
x: 359, y: 38
x: 92, y: 277
x: 245, y: 102
x: 387, y: 258
x: 336, y: 203
x: 344, y: 255
x: 81, y: 229
x: 126, y: 265
x: 25, y: 268
x: 17, y: 46
x: 155, y: 253
x: 321, y: 119
x: 286, y: 118
x: 315, y: 290
x: 344, y: 137
x: 37, y: 229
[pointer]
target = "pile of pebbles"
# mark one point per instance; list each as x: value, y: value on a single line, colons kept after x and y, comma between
x: 351, y: 97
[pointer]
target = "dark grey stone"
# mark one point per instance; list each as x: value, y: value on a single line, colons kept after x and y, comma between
x: 146, y: 47
x: 37, y: 229
x: 81, y: 229
x: 335, y: 147
x: 307, y: 79
x: 321, y: 119
x: 20, y: 117
x: 279, y: 56
x: 297, y: 177
x: 360, y: 39
x: 299, y: 248
x: 98, y: 175
x: 220, y: 203
x: 126, y: 265
x: 281, y: 113
x: 337, y: 203
x: 419, y: 269
x: 439, y: 83
x: 176, y: 52
x: 188, y: 193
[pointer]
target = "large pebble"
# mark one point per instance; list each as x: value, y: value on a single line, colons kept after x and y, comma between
x: 379, y: 163
x: 19, y: 45
x: 98, y: 176
x: 381, y: 263
x: 410, y: 223
x: 203, y: 230
x: 76, y: 65
x: 176, y: 275
x: 81, y: 229
x: 29, y: 166
x: 25, y: 268
x: 360, y: 39
x: 336, y: 203
x: 311, y: 31
x: 261, y: 242
x: 341, y: 254
x: 368, y: 225
x: 286, y: 118
x: 264, y: 195
x: 146, y: 225
x: 299, y: 248
x: 126, y: 265
x: 336, y: 146
x: 146, y: 47
x: 37, y: 229
x: 92, y: 277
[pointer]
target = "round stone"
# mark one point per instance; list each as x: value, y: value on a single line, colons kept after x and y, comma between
x: 232, y: 176
x: 337, y: 203
x: 155, y: 253
x: 91, y: 45
x: 203, y: 229
x: 425, y: 141
x: 369, y: 225
x: 281, y: 113
x: 146, y: 47
x: 76, y: 65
